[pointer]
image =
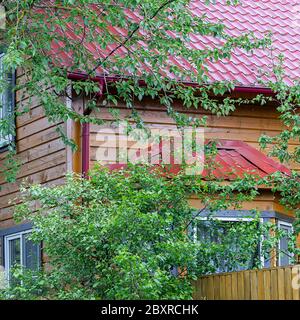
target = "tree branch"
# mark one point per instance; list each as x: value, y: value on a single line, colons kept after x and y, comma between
x: 130, y: 36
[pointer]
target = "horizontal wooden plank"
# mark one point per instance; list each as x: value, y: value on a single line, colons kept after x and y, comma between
x: 32, y: 115
x: 34, y: 166
x: 212, y: 120
x: 28, y: 104
x: 41, y: 177
x: 209, y: 133
x: 34, y: 127
x: 41, y: 150
x: 8, y: 212
x: 244, y: 110
x: 39, y: 138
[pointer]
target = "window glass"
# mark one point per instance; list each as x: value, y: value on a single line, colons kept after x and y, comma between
x: 284, y: 254
x: 31, y: 253
x: 14, y: 247
x: 14, y: 252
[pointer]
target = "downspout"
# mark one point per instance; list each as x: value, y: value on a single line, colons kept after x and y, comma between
x: 85, y: 128
x: 85, y: 148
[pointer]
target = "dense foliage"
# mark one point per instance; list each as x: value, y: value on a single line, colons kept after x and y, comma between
x: 129, y: 235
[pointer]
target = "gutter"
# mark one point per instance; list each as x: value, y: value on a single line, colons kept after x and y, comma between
x: 256, y: 90
x: 238, y: 89
x: 85, y: 129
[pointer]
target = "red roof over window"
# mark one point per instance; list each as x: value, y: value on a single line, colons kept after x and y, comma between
x: 235, y: 158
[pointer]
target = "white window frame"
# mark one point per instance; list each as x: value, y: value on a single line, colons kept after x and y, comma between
x: 232, y: 219
x: 17, y: 235
x: 286, y: 224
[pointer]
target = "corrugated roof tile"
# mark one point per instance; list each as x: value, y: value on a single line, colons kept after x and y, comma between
x: 281, y: 17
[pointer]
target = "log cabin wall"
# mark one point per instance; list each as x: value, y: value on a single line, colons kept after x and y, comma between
x: 42, y: 153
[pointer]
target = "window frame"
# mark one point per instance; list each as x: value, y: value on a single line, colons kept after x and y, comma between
x: 11, y: 139
x: 6, y: 252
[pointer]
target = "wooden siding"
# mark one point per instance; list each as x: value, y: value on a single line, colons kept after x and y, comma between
x: 247, y: 123
x: 266, y: 284
x: 40, y: 151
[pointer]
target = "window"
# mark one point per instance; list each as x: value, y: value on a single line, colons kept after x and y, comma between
x: 6, y: 105
x: 20, y: 250
x: 284, y: 256
x: 225, y: 233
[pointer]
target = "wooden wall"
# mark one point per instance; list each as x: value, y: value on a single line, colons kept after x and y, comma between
x: 247, y: 123
x: 40, y: 150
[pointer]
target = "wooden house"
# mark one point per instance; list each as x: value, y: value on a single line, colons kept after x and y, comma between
x: 46, y: 159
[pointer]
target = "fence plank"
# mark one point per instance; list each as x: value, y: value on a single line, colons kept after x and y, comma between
x: 260, y: 285
x: 288, y: 283
x: 210, y: 288
x: 274, y: 285
x: 234, y: 286
x: 203, y: 289
x: 217, y: 287
x: 241, y: 287
x: 228, y: 287
x: 280, y: 278
x: 222, y: 287
x: 247, y: 285
x: 253, y: 285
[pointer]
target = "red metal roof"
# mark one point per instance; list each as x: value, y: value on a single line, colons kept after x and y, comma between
x: 281, y: 17
x: 234, y: 159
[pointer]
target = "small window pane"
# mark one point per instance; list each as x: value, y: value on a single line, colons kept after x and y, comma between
x: 31, y: 253
x: 14, y: 246
x: 284, y: 254
x: 14, y: 252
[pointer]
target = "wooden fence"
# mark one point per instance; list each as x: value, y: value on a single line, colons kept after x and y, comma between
x: 281, y: 283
